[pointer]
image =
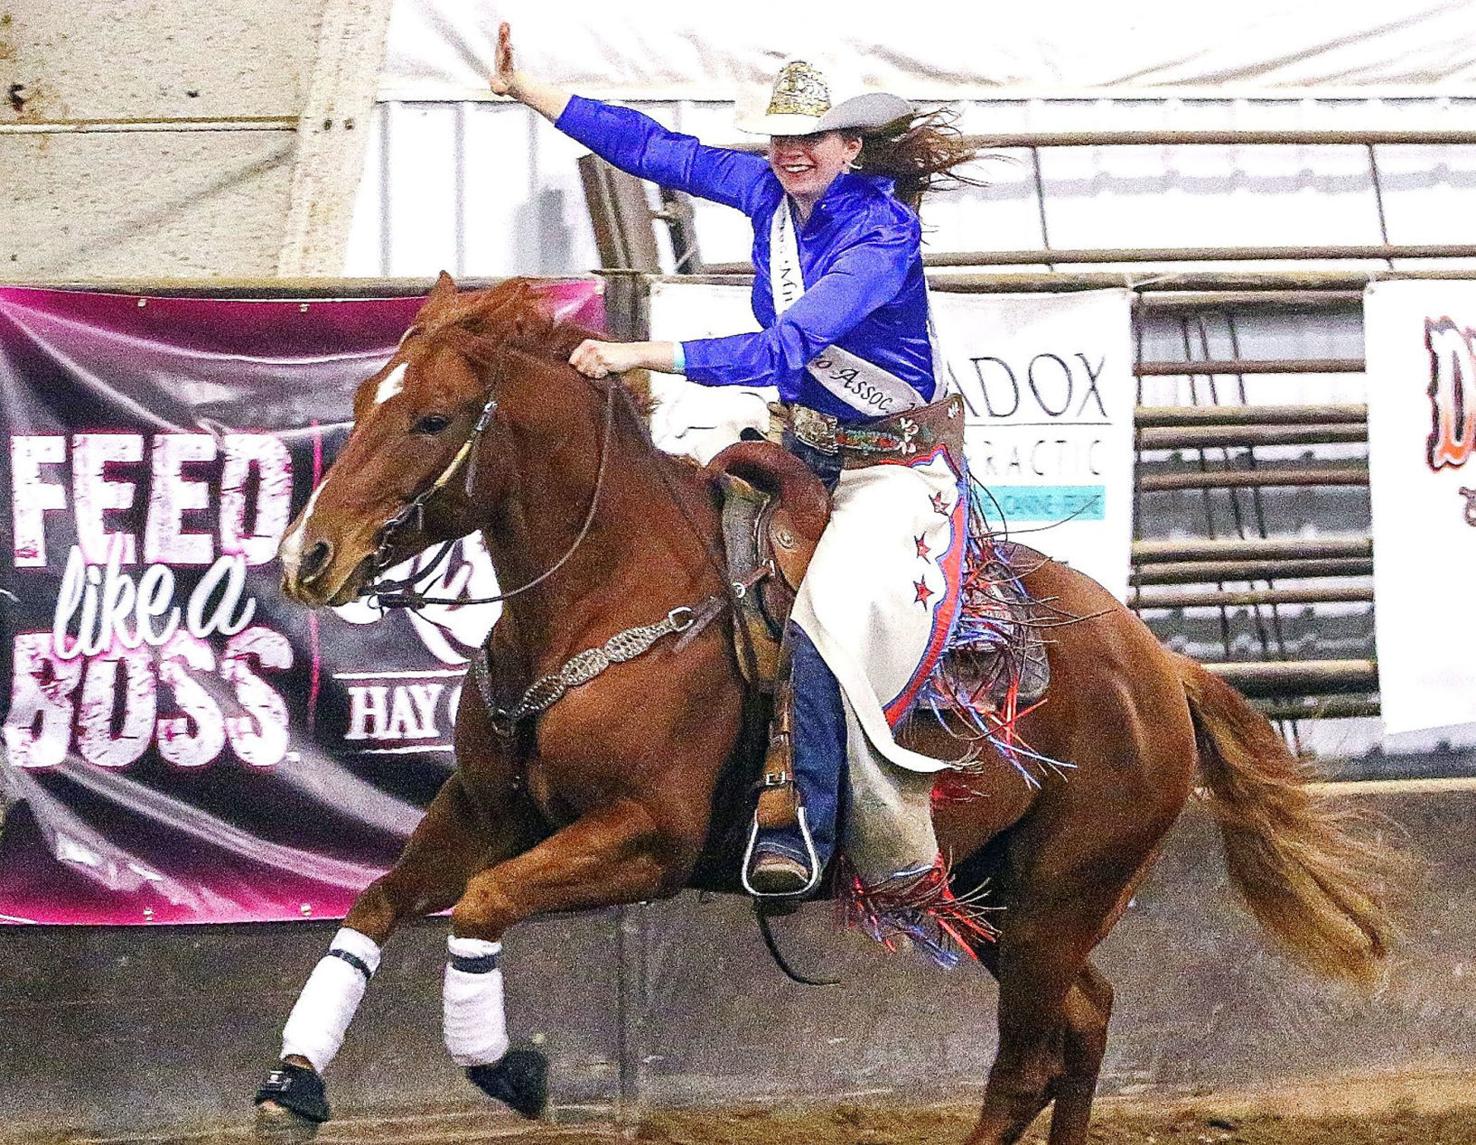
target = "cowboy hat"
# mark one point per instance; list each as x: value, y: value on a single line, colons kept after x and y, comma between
x: 801, y: 103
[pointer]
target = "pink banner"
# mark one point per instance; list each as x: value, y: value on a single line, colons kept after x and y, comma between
x: 181, y: 743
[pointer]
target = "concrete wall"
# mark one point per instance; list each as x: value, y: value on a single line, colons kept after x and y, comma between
x: 106, y: 172
x: 124, y: 1029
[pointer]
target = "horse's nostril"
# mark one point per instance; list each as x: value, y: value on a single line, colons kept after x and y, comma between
x: 315, y: 560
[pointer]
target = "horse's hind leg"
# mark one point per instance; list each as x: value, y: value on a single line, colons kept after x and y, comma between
x: 449, y: 844
x: 1029, y: 1059
x: 1053, y: 1011
x: 1087, y: 1011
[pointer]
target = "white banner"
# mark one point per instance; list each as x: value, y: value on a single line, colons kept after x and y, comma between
x: 1048, y: 382
x: 1049, y: 386
x: 1421, y: 352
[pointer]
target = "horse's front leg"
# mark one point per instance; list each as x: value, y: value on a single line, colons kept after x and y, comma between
x: 453, y: 840
x: 614, y: 854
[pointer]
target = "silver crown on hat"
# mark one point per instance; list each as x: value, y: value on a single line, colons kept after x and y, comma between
x: 799, y: 89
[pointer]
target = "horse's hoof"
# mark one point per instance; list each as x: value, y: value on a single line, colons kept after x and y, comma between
x: 520, y: 1080
x: 290, y: 1105
x: 279, y: 1125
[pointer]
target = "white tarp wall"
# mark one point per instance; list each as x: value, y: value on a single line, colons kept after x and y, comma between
x: 456, y: 179
x: 660, y: 49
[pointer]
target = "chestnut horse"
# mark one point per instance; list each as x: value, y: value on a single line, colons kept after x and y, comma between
x: 608, y: 796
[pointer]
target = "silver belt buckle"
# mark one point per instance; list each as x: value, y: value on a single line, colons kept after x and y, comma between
x: 814, y: 428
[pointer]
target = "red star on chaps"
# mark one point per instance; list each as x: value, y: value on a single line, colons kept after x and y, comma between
x: 923, y: 591
x: 922, y: 545
x: 941, y: 506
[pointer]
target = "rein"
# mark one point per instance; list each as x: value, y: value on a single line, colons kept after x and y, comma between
x: 742, y: 638
x: 686, y: 621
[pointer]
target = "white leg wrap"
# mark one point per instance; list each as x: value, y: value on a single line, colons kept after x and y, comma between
x: 316, y: 1026
x: 475, y: 1024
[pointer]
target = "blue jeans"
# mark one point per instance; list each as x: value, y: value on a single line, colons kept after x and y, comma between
x: 818, y: 738
x: 826, y: 466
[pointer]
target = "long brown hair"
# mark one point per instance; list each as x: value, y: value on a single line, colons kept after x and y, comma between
x: 920, y: 152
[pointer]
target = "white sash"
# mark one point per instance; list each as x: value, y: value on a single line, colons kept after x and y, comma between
x: 865, y: 387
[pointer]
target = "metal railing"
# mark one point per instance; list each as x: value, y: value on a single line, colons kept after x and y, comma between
x: 1225, y: 137
x: 1089, y: 255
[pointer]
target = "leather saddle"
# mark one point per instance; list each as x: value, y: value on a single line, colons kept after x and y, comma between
x: 774, y: 510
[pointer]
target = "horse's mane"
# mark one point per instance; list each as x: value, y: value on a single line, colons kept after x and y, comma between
x: 515, y: 315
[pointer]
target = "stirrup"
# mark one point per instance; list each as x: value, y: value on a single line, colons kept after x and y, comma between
x: 810, y: 854
x: 773, y: 873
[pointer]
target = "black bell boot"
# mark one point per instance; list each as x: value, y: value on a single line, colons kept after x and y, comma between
x: 519, y: 1080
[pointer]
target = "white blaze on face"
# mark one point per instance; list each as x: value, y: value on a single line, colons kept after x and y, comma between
x: 291, y: 550
x: 392, y: 384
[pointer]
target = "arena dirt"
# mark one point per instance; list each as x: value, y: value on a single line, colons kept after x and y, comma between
x: 1400, y: 1110
x: 867, y: 1126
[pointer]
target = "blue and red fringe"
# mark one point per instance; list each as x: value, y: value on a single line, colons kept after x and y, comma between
x: 978, y: 681
x: 915, y: 909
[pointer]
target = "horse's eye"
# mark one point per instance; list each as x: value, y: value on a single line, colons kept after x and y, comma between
x: 432, y: 424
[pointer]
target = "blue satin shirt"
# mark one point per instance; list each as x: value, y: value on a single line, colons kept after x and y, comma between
x: 860, y: 255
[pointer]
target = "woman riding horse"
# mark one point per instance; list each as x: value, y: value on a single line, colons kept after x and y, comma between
x: 606, y: 792
x: 840, y: 294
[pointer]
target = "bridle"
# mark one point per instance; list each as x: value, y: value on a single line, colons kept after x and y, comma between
x: 408, y: 593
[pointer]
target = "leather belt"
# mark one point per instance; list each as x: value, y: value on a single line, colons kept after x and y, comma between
x: 901, y: 435
x: 824, y: 432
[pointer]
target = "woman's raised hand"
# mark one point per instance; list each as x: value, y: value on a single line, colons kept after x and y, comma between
x: 544, y: 98
x: 502, y: 77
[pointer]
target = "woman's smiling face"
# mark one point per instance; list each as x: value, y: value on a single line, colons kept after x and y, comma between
x: 807, y: 164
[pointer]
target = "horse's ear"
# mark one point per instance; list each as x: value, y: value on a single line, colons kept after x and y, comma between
x: 444, y: 288
x: 532, y: 322
x: 513, y: 309
x: 530, y: 317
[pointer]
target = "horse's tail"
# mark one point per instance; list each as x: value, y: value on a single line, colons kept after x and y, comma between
x: 1306, y: 866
